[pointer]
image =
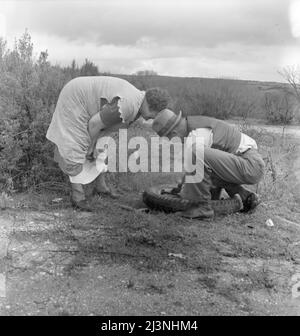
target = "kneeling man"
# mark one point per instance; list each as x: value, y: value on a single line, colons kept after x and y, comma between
x: 229, y: 158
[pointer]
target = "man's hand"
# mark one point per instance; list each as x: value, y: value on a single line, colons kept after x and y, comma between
x: 110, y: 113
x: 176, y: 190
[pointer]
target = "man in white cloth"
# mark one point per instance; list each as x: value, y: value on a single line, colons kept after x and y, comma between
x: 86, y: 108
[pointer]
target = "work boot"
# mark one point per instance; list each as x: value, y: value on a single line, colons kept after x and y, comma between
x: 208, y: 209
x: 82, y: 205
x: 201, y: 211
x: 250, y: 199
x: 251, y: 202
x: 103, y: 189
x: 108, y: 192
x: 78, y: 199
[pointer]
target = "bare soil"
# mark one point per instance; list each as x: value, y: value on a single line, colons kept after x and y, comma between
x: 120, y: 262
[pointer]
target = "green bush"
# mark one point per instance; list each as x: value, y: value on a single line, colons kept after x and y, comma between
x: 279, y: 107
x: 29, y: 89
x: 220, y: 102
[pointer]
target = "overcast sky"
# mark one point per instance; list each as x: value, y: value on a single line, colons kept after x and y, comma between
x: 246, y: 39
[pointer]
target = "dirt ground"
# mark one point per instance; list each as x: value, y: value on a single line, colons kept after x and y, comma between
x: 57, y: 261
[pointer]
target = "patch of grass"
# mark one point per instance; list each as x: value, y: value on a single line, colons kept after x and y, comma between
x: 239, y: 245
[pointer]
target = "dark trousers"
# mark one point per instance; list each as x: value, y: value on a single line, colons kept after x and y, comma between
x: 225, y: 170
x: 79, y: 191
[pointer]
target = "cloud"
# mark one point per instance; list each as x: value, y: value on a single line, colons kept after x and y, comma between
x: 2, y: 26
x: 294, y: 13
x: 228, y: 59
x: 233, y: 38
x: 189, y: 23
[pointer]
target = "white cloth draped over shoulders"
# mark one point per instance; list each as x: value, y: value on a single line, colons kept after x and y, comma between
x: 78, y: 101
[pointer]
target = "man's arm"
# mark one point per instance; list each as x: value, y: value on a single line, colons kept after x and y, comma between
x: 95, y: 125
x: 108, y: 118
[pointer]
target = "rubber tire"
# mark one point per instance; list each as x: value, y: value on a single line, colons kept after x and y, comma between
x: 165, y: 202
x: 173, y: 203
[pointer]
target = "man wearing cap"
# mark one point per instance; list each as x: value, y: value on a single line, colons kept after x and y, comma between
x: 229, y: 157
x: 88, y: 108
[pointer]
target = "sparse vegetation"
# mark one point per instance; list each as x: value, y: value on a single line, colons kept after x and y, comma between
x: 161, y: 261
x: 280, y: 108
x: 146, y: 73
x: 116, y: 261
x: 29, y: 88
x: 292, y: 76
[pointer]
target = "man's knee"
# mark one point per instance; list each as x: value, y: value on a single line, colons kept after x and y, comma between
x: 256, y: 170
x: 254, y: 177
